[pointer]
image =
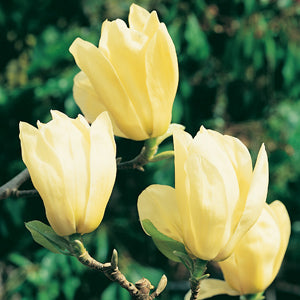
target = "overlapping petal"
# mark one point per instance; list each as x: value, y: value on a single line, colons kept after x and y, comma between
x: 257, y: 257
x: 73, y: 167
x: 218, y: 195
x: 133, y: 72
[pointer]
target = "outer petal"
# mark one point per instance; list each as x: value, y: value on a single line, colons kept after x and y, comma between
x: 162, y: 78
x: 250, y: 269
x: 210, y: 210
x: 282, y: 219
x: 109, y: 88
x: 157, y: 203
x: 208, y: 147
x: 213, y: 287
x: 102, y: 172
x: 71, y: 144
x: 241, y: 161
x: 182, y: 141
x: 89, y: 101
x: 86, y: 97
x: 138, y: 17
x: 47, y: 177
x: 255, y: 201
x: 215, y: 190
x: 125, y: 49
x: 152, y: 25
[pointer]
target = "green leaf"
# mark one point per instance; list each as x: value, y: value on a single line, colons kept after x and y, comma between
x: 46, y: 237
x: 165, y: 244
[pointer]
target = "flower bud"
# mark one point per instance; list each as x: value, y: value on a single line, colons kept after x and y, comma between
x: 72, y: 165
x: 256, y: 259
x: 133, y: 75
x: 217, y: 196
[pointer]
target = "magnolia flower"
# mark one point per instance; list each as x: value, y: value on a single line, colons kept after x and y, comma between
x: 133, y: 75
x: 72, y: 165
x: 256, y: 259
x: 217, y: 197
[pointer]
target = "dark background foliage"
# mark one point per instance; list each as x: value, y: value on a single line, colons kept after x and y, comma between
x: 239, y: 65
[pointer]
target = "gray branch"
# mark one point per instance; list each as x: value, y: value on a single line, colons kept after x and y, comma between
x: 11, y: 188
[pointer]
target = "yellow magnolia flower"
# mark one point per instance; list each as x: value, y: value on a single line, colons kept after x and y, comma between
x: 73, y: 167
x: 256, y: 259
x: 217, y: 196
x: 133, y: 75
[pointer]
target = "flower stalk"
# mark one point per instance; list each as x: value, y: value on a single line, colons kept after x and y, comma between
x: 149, y: 150
x: 197, y: 274
x: 258, y: 296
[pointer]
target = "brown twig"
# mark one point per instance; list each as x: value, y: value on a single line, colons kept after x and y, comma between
x: 10, y: 189
x: 137, y: 163
x: 139, y: 291
x: 195, y: 288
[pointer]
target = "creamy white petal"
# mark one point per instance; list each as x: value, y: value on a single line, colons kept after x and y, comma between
x: 157, y: 203
x: 102, y: 172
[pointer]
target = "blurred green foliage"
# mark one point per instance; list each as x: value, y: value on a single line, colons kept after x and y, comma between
x: 239, y: 65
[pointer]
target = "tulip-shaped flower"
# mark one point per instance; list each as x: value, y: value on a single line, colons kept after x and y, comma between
x: 217, y: 196
x: 72, y: 165
x: 133, y: 75
x: 256, y: 259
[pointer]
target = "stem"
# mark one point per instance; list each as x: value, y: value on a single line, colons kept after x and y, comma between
x: 258, y: 296
x: 197, y: 275
x: 137, y: 163
x: 195, y: 288
x: 145, y: 156
x: 140, y: 290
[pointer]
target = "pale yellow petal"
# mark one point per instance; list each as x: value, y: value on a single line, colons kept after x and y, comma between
x: 242, y: 164
x: 83, y: 126
x: 182, y: 141
x: 109, y: 88
x: 152, y: 25
x: 47, y: 177
x: 255, y: 201
x: 137, y: 17
x: 209, y: 150
x: 162, y: 78
x: 208, y: 147
x: 56, y: 114
x: 125, y: 50
x: 86, y: 97
x: 89, y: 102
x: 250, y: 269
x: 157, y: 203
x: 240, y: 158
x: 281, y: 216
x: 209, y: 209
x: 102, y: 172
x: 213, y: 287
x: 71, y: 144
